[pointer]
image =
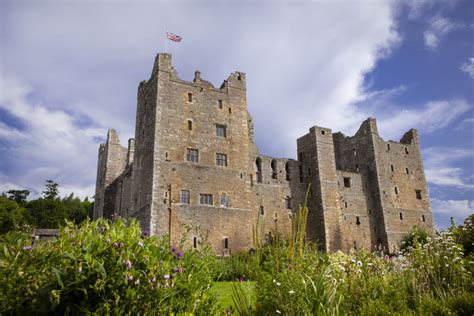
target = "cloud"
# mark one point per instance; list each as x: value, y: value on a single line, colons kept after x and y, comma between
x: 51, y: 146
x: 468, y: 67
x: 442, y: 166
x: 438, y: 28
x: 459, y: 209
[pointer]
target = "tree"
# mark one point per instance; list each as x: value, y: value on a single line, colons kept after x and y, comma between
x: 52, y: 191
x: 11, y: 215
x: 47, y: 213
x: 18, y: 196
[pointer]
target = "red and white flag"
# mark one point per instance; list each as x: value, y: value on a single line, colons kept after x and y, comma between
x: 173, y: 37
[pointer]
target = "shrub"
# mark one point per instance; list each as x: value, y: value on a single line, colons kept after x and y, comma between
x: 106, y: 268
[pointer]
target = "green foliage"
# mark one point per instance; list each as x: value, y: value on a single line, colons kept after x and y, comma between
x: 11, y: 215
x: 105, y: 268
x: 52, y: 190
x: 417, y: 236
x: 46, y: 213
x: 18, y: 196
x: 464, y: 235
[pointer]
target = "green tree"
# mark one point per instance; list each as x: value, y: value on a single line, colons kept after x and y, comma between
x: 47, y: 213
x: 417, y: 236
x: 11, y: 215
x: 18, y: 196
x: 52, y: 190
x: 78, y: 210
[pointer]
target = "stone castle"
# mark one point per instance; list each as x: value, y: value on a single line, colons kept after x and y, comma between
x: 194, y: 160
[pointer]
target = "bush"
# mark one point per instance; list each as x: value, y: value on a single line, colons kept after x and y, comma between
x: 106, y: 268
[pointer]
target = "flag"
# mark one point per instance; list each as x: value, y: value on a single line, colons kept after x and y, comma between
x: 173, y: 37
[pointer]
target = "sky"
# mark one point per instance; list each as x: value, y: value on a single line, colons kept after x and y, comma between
x: 69, y: 71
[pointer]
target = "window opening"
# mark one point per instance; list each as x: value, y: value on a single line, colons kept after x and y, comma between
x: 192, y: 155
x: 190, y: 125
x: 396, y: 190
x: 347, y: 182
x: 287, y: 170
x: 258, y: 165
x: 219, y: 104
x: 274, y: 169
x: 221, y: 160
x: 418, y: 194
x: 190, y: 97
x: 184, y: 197
x: 221, y: 131
x: 224, y: 200
x: 401, y: 215
x: 392, y: 168
x: 262, y: 210
x: 226, y: 243
x: 205, y: 199
x: 357, y: 220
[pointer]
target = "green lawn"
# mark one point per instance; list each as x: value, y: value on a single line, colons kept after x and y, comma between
x: 224, y: 292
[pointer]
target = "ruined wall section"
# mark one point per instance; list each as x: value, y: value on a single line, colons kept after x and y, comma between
x: 277, y: 194
x: 357, y: 154
x: 402, y: 181
x: 112, y: 163
x: 356, y: 230
x: 318, y: 167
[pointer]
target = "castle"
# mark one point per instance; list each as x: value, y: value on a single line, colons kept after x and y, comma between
x: 194, y: 160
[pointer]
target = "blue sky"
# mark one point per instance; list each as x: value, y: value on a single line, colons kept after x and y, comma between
x: 69, y: 71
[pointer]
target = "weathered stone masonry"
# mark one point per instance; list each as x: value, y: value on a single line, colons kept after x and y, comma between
x: 194, y: 161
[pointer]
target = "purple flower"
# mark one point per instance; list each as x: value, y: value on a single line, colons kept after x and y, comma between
x: 27, y: 248
x: 173, y: 249
x: 117, y: 245
x: 178, y: 269
x: 180, y: 254
x: 146, y: 233
x: 128, y: 263
x: 166, y: 276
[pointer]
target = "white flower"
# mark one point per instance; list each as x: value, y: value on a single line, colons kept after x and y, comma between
x: 359, y: 263
x: 140, y: 244
x: 291, y: 292
x: 274, y: 281
x: 278, y: 283
x: 278, y: 312
x: 369, y: 264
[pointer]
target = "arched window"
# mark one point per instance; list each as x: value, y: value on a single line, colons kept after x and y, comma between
x: 258, y: 165
x: 287, y: 169
x: 274, y: 169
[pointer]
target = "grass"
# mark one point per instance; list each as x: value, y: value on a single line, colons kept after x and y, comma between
x: 223, y: 290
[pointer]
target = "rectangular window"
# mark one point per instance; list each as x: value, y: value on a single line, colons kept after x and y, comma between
x: 190, y: 125
x: 262, y: 210
x: 401, y: 216
x: 184, y: 197
x: 418, y: 194
x: 288, y: 202
x: 396, y: 190
x: 423, y: 218
x: 347, y: 182
x: 190, y: 97
x: 407, y: 171
x: 224, y: 200
x: 192, y: 155
x: 221, y: 131
x: 388, y: 146
x: 221, y: 160
x: 194, y: 242
x: 357, y: 220
x: 219, y: 104
x: 392, y: 168
x: 205, y: 199
x: 226, y: 243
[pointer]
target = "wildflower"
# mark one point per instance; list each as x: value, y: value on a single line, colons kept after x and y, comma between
x: 291, y: 292
x: 445, y: 257
x: 359, y: 263
x: 278, y: 283
x: 128, y: 263
x: 117, y: 245
x: 137, y: 281
x: 180, y: 254
x: 447, y: 265
x: 146, y: 233
x: 140, y: 244
x: 274, y: 281
x: 353, y: 260
x: 278, y: 312
x: 342, y: 268
x: 128, y: 277
x: 80, y: 269
x: 173, y: 249
x: 369, y: 264
x: 27, y: 248
x: 166, y: 276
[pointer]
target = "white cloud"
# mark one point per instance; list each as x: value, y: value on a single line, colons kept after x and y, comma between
x: 50, y: 146
x: 459, y: 209
x: 442, y: 166
x: 468, y: 67
x: 395, y: 120
x: 438, y: 28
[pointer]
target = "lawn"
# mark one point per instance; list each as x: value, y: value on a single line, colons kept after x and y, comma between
x: 223, y: 290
